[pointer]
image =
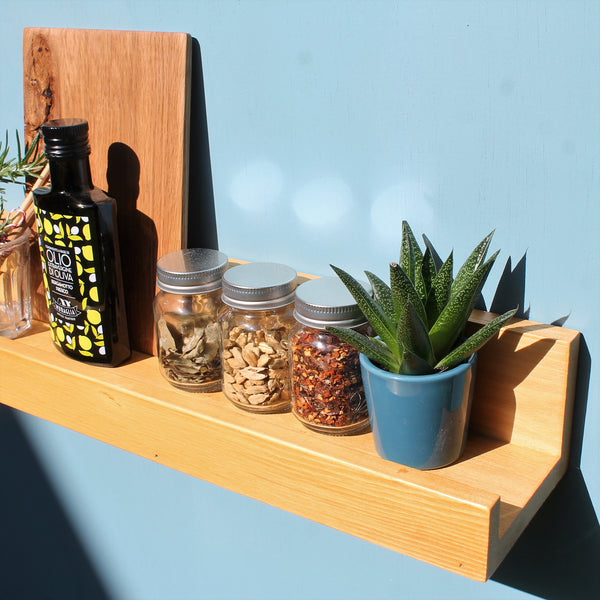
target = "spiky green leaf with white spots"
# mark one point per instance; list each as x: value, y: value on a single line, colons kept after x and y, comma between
x: 475, y: 260
x: 376, y: 316
x: 414, y: 365
x: 382, y: 294
x: 422, y: 314
x: 375, y: 349
x: 404, y: 291
x: 452, y: 320
x: 475, y: 342
x: 413, y: 335
x: 440, y: 291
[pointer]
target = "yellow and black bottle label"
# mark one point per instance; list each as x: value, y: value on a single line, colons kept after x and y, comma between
x: 72, y: 274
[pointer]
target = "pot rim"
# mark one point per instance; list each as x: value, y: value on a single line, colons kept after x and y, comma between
x: 459, y: 369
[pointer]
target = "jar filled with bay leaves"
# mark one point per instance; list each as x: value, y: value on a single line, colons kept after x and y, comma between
x: 186, y: 311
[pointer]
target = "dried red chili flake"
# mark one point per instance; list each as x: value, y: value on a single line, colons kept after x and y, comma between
x: 326, y: 380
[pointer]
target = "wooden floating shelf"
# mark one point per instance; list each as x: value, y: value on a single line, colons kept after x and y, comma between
x: 463, y: 518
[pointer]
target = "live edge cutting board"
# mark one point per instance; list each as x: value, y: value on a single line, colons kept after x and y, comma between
x: 134, y: 90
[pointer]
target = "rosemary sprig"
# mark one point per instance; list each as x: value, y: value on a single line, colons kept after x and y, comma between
x: 17, y: 171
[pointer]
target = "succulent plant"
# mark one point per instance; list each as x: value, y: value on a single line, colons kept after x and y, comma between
x: 420, y: 317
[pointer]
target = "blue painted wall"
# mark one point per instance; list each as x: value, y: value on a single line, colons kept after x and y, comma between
x: 340, y: 118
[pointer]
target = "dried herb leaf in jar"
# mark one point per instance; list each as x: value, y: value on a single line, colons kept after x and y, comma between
x: 186, y: 318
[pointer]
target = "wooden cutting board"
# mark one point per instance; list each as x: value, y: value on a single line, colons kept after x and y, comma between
x: 134, y: 90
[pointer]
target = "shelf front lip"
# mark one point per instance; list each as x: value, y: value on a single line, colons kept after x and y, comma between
x: 446, y: 523
x: 283, y: 464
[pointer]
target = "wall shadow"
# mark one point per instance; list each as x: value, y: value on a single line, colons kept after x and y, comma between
x: 138, y: 242
x: 558, y: 555
x: 41, y: 557
x: 495, y: 402
x: 202, y: 224
x: 510, y: 291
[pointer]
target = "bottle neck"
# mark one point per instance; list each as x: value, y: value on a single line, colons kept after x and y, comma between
x: 70, y: 174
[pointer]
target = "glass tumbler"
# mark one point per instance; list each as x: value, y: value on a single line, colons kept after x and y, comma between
x: 15, y: 297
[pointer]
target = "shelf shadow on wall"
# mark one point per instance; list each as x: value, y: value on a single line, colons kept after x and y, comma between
x: 40, y: 555
x: 495, y: 390
x: 202, y: 224
x: 557, y: 556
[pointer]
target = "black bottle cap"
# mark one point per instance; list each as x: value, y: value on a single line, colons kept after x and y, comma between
x: 66, y: 138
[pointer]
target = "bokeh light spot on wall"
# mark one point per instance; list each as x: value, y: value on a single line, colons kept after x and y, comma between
x: 323, y: 201
x: 257, y: 186
x: 404, y: 201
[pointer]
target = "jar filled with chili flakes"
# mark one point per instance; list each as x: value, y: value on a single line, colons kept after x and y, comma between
x: 327, y: 389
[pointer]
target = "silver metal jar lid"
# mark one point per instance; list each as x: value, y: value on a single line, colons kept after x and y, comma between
x: 191, y: 271
x: 327, y: 301
x: 257, y: 286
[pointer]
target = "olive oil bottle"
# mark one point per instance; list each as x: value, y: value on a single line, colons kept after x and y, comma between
x: 78, y: 239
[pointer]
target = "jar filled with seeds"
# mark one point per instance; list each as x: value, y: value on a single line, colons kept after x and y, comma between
x: 255, y: 327
x: 186, y: 310
x: 327, y: 389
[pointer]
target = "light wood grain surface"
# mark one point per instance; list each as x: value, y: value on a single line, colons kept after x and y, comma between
x: 134, y: 90
x: 463, y: 518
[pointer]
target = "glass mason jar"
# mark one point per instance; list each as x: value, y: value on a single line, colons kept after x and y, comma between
x: 186, y: 310
x: 255, y: 328
x: 327, y: 388
x: 15, y: 298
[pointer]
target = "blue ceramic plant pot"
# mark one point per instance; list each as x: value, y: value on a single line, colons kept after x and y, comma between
x: 419, y: 421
